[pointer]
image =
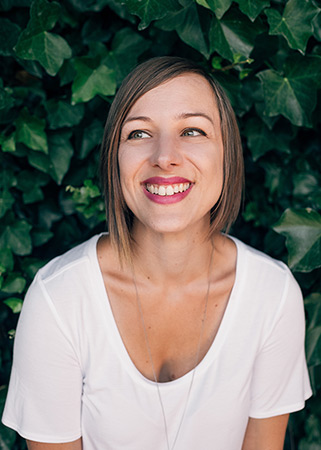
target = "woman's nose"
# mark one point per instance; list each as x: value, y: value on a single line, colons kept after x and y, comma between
x: 166, y: 153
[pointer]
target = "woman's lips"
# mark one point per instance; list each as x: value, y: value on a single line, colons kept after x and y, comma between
x: 166, y: 190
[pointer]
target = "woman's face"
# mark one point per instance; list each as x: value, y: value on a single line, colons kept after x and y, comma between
x: 171, y: 155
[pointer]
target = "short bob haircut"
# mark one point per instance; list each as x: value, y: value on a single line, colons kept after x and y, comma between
x: 142, y: 79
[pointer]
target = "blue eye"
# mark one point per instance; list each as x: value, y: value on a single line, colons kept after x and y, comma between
x: 138, y: 134
x: 193, y: 132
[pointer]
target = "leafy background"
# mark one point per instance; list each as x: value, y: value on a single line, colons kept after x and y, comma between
x: 61, y: 63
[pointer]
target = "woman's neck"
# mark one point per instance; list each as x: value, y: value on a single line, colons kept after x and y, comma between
x: 171, y: 258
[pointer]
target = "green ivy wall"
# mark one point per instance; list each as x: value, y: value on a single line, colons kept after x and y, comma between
x: 61, y: 63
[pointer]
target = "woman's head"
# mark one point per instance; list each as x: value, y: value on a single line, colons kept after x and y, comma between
x: 141, y: 80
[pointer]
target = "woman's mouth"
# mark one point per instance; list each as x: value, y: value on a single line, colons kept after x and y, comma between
x: 167, y: 190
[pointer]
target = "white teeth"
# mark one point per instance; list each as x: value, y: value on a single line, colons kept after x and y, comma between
x: 162, y: 190
x: 167, y: 190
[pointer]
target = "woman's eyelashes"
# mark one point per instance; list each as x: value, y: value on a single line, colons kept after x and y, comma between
x: 193, y: 132
x: 187, y: 132
x: 138, y: 134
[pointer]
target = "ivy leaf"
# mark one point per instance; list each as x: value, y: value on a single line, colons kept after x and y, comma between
x: 60, y: 152
x: 293, y: 94
x: 92, y: 80
x: 295, y: 24
x: 186, y: 23
x: 30, y: 131
x: 16, y: 236
x: 261, y: 139
x: 14, y: 283
x: 62, y: 114
x: 219, y: 7
x: 252, y: 8
x: 90, y: 138
x: 234, y: 34
x: 8, y: 143
x: 9, y: 34
x: 302, y: 229
x: 36, y: 43
x: 14, y: 303
x: 148, y: 10
x: 6, y: 201
x: 6, y: 259
x: 126, y: 48
x: 30, y: 182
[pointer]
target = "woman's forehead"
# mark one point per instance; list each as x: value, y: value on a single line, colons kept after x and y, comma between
x: 185, y: 93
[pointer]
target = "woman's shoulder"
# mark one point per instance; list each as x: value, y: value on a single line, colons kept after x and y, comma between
x: 251, y: 255
x: 70, y: 261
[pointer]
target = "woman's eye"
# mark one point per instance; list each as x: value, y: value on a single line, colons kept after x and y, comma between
x: 193, y: 132
x: 138, y: 134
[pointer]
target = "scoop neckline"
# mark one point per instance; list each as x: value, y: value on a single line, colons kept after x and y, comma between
x: 119, y: 346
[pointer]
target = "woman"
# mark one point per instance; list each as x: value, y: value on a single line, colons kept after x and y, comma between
x: 166, y: 333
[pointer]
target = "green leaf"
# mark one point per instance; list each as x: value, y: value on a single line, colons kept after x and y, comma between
x: 302, y: 229
x: 6, y: 201
x: 92, y: 80
x: 187, y: 24
x: 235, y: 33
x: 88, y: 5
x: 40, y: 161
x: 30, y: 131
x: 8, y: 143
x: 14, y: 283
x: 62, y: 114
x: 30, y: 182
x: 126, y: 48
x: 295, y: 24
x: 90, y: 138
x: 293, y: 94
x: 219, y: 7
x: 312, y: 305
x: 148, y: 10
x: 6, y: 259
x: 16, y: 236
x: 313, y: 432
x: 261, y: 139
x: 41, y: 236
x: 9, y: 33
x: 6, y: 99
x: 14, y: 303
x: 60, y: 152
x: 36, y: 43
x: 252, y: 8
x: 7, y: 436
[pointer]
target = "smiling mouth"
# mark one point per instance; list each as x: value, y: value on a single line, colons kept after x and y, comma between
x: 167, y: 190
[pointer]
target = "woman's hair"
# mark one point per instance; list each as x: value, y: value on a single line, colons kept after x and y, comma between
x: 142, y: 79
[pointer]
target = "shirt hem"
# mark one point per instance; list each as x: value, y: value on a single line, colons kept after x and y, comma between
x: 40, y: 438
x: 286, y: 410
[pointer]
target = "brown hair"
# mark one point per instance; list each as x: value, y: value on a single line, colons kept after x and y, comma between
x: 142, y: 79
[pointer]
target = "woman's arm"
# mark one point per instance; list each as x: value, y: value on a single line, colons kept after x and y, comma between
x: 266, y: 434
x: 75, y: 445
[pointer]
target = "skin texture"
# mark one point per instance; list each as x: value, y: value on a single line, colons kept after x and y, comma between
x: 75, y: 445
x: 173, y: 131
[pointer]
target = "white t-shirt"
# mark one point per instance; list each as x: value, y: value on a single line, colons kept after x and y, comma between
x: 72, y: 375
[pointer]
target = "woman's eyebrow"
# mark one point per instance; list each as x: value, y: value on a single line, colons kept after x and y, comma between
x: 131, y: 119
x: 195, y: 114
x: 180, y: 116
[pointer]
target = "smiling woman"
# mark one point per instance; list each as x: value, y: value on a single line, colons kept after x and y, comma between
x: 166, y: 333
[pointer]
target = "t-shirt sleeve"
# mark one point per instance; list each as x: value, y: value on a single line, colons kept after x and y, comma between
x: 280, y: 381
x: 44, y: 397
